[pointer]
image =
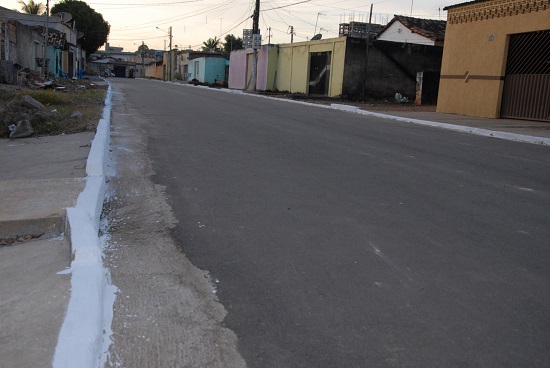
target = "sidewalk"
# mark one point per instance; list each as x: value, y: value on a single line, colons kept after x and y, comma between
x: 524, y: 127
x: 39, y: 179
x: 52, y: 281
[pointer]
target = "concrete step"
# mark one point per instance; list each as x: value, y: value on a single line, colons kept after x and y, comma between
x: 33, y: 209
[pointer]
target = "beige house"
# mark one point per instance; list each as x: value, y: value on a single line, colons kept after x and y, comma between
x: 313, y: 67
x: 496, y: 60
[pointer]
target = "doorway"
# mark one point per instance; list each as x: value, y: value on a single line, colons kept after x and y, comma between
x: 319, y: 73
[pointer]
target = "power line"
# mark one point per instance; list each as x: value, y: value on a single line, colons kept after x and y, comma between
x: 146, y: 4
x: 286, y: 6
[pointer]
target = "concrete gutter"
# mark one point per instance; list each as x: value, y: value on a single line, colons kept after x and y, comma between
x: 87, y: 324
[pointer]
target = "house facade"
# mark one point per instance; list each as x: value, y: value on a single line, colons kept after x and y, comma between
x: 495, y: 61
x: 241, y: 68
x: 114, y: 61
x: 20, y: 50
x: 64, y: 57
x: 414, y: 30
x: 312, y: 68
x: 207, y: 67
x: 353, y: 66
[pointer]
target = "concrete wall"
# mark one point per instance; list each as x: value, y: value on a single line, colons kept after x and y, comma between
x: 238, y: 68
x: 392, y: 67
x: 474, y: 58
x: 154, y: 71
x: 267, y: 68
x: 29, y: 47
x: 293, y: 65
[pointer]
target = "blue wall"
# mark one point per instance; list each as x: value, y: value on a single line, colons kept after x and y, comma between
x: 210, y: 69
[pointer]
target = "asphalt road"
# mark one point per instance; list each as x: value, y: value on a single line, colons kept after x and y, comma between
x: 337, y: 240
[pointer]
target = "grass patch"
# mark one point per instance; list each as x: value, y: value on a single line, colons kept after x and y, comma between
x: 84, y: 97
x: 50, y: 97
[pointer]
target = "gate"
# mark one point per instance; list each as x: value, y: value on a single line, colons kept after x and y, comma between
x: 526, y: 93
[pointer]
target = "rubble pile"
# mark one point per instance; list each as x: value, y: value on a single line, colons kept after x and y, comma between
x: 67, y: 106
x: 20, y: 114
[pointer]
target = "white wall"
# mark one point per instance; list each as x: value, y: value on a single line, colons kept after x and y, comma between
x: 397, y: 32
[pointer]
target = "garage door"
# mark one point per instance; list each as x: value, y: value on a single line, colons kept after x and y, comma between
x: 526, y: 92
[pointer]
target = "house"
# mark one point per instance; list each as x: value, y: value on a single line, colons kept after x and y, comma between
x: 64, y: 57
x: 313, y: 67
x: 414, y: 30
x: 114, y: 61
x: 352, y: 66
x: 495, y: 60
x: 142, y: 60
x: 241, y: 68
x: 157, y: 68
x: 208, y: 67
x: 20, y: 48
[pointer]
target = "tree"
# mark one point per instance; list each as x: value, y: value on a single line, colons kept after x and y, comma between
x: 31, y: 7
x: 143, y: 49
x: 211, y: 45
x: 232, y: 43
x: 88, y: 21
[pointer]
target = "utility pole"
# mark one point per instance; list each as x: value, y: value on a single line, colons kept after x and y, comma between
x: 269, y: 35
x: 291, y: 34
x: 255, y: 31
x: 367, y: 51
x: 170, y: 55
x: 142, y: 61
x: 44, y: 69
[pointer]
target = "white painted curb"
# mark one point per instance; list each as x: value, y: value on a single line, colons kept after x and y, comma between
x: 461, y: 128
x: 353, y: 109
x: 81, y: 339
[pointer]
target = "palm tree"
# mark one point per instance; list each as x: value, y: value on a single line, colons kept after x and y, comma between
x: 31, y: 7
x: 211, y: 45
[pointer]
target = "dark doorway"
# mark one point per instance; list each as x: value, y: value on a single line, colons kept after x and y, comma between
x: 120, y: 71
x: 319, y: 73
x: 71, y: 65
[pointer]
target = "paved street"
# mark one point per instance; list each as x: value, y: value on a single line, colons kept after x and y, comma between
x: 331, y: 239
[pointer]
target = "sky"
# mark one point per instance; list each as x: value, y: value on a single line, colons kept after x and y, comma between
x: 195, y: 21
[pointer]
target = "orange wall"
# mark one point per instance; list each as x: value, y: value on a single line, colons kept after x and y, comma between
x: 475, y: 52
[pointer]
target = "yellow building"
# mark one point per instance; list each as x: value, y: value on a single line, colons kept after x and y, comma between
x: 312, y: 68
x: 495, y: 60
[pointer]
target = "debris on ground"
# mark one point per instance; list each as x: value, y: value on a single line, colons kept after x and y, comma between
x: 50, y: 106
x: 22, y: 129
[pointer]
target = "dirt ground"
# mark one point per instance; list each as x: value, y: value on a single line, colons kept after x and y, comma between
x: 61, y: 99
